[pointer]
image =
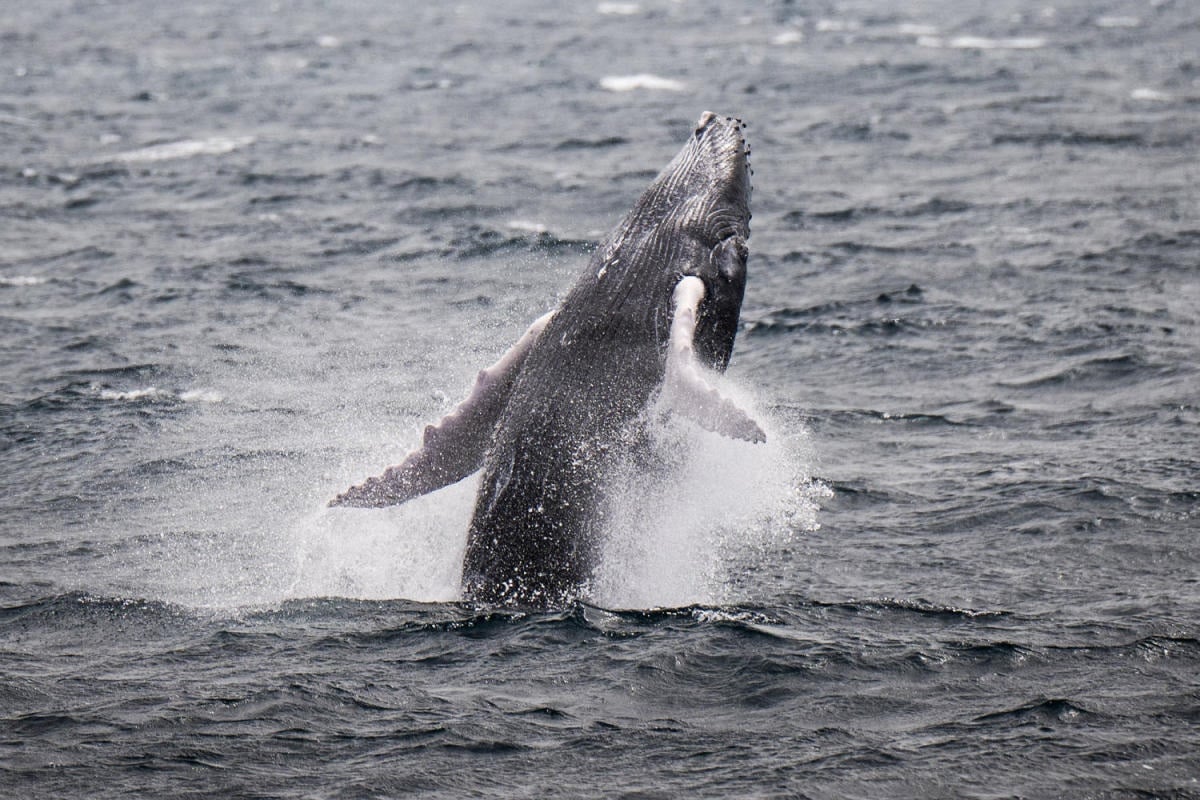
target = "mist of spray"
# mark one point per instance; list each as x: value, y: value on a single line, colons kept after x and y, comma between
x: 673, y: 532
x: 246, y: 524
x: 676, y: 532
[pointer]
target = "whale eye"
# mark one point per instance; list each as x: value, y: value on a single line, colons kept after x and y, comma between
x: 731, y: 256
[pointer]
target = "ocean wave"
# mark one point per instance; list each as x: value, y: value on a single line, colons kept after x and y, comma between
x: 252, y: 283
x: 917, y: 606
x: 104, y: 385
x: 1040, y: 711
x: 479, y: 241
x: 591, y: 144
x: 1074, y: 138
x: 1092, y: 371
x: 72, y: 609
x: 885, y: 326
x: 803, y: 219
x: 184, y: 148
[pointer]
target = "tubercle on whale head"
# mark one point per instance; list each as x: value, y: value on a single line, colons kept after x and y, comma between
x: 725, y: 156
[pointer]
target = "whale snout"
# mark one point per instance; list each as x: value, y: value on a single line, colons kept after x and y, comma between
x: 709, y: 120
x: 716, y: 164
x: 720, y: 141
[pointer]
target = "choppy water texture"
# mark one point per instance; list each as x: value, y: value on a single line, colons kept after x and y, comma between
x: 249, y: 249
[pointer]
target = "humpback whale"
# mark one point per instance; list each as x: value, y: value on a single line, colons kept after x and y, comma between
x: 655, y: 310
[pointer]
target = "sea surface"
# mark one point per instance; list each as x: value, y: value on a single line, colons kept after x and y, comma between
x: 248, y: 249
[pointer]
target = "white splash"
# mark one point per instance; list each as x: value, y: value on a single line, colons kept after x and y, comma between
x: 21, y: 280
x: 153, y: 393
x: 1118, y: 22
x: 618, y: 9
x: 629, y: 83
x: 916, y: 29
x: 12, y: 119
x: 245, y: 524
x: 1149, y: 95
x: 676, y: 532
x: 201, y: 396
x: 787, y: 37
x: 413, y: 551
x: 526, y: 226
x: 134, y: 395
x: 838, y: 25
x: 983, y: 43
x: 186, y: 148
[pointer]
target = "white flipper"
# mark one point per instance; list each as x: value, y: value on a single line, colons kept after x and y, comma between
x: 686, y: 389
x: 455, y: 447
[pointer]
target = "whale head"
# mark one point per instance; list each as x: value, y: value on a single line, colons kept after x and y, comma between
x: 706, y: 193
x: 693, y: 220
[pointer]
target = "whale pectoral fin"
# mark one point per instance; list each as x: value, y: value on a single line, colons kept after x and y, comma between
x: 693, y: 397
x: 454, y: 447
x: 685, y: 387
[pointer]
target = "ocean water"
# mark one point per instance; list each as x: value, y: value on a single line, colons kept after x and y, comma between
x: 247, y: 250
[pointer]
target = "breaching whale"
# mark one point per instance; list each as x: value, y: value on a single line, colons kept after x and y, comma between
x: 655, y: 309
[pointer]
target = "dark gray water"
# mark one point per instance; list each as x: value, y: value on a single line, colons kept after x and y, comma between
x: 248, y: 250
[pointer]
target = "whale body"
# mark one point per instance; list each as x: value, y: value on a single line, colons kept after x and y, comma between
x: 655, y: 309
